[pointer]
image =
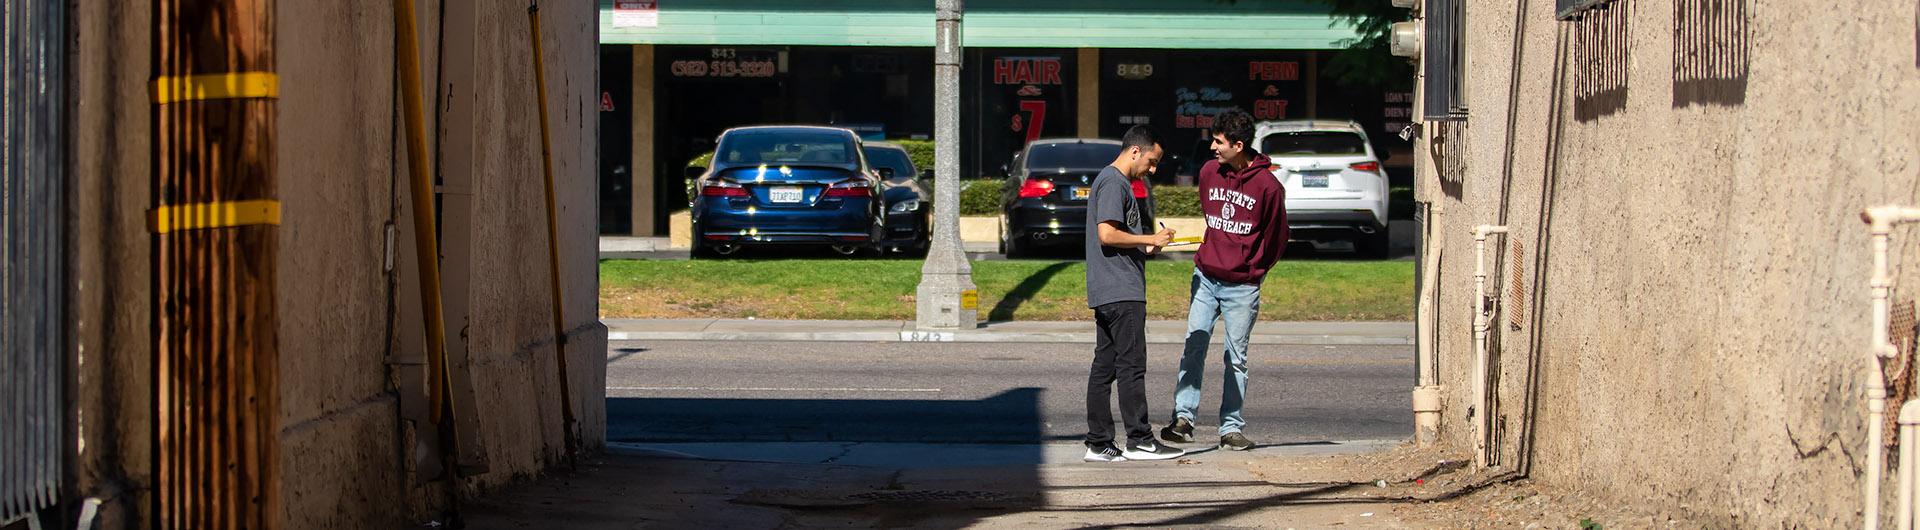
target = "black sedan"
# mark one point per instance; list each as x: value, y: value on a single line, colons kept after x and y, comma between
x: 909, y: 204
x: 1045, y: 199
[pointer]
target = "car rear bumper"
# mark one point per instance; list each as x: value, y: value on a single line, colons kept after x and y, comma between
x: 1047, y: 224
x: 851, y: 223
x: 1311, y: 225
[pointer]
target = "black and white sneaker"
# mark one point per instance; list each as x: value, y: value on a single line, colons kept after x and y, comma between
x: 1180, y: 431
x: 1150, y: 450
x: 1234, y: 441
x: 1104, y: 453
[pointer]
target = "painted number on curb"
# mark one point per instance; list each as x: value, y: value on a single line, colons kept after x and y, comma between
x: 926, y: 336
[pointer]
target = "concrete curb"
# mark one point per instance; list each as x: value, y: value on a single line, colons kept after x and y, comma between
x: 1158, y: 332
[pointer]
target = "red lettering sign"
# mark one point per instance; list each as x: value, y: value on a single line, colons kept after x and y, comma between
x: 1038, y: 110
x: 1270, y: 109
x: 1273, y: 71
x: 1027, y: 71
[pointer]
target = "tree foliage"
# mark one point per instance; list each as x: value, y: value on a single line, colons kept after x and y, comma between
x: 1368, y: 59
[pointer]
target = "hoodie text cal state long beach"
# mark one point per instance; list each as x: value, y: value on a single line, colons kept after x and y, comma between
x: 1246, y: 212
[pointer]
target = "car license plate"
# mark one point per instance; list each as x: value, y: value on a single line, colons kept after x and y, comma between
x: 793, y: 194
x: 1313, y: 181
x: 1081, y: 194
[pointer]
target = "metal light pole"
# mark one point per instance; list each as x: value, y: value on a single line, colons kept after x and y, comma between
x: 946, y: 298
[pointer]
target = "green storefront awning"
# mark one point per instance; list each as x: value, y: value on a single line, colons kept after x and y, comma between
x: 1161, y: 24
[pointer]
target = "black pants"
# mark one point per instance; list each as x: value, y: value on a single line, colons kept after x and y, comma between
x: 1119, y: 355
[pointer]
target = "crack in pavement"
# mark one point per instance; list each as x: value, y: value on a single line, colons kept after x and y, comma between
x: 845, y: 449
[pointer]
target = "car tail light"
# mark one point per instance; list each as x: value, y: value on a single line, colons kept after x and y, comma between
x: 721, y: 188
x: 1035, y: 188
x: 851, y: 188
x: 1139, y: 189
x: 1370, y: 167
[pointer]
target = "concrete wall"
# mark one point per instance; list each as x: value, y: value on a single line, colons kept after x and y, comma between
x: 1693, y: 309
x: 341, y: 158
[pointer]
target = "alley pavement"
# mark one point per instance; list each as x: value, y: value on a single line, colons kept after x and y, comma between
x: 885, y: 433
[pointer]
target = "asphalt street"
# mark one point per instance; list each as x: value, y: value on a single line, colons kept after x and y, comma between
x: 680, y: 391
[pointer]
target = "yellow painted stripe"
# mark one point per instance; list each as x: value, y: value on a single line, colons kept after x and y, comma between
x: 224, y: 214
x: 171, y: 89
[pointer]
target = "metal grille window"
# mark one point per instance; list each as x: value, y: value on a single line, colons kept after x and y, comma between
x: 1445, y: 61
x: 32, y: 413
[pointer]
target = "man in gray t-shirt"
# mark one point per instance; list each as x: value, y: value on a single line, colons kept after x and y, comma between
x: 1117, y: 249
x: 1114, y: 273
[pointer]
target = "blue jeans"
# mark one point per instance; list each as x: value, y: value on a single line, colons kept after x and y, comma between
x: 1239, y: 304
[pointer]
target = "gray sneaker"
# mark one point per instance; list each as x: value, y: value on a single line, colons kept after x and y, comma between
x: 1234, y: 441
x: 1180, y: 431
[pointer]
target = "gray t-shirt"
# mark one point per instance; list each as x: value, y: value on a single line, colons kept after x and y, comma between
x: 1114, y: 274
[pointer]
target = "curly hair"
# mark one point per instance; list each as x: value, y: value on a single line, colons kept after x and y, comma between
x: 1235, y: 125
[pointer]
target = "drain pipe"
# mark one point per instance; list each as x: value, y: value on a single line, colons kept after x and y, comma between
x: 1482, y: 321
x: 1909, y: 419
x: 1426, y: 396
x: 1880, y: 222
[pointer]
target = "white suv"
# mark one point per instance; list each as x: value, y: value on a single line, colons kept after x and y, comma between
x: 1336, y: 189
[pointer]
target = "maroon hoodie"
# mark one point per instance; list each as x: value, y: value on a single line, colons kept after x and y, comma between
x: 1246, y: 212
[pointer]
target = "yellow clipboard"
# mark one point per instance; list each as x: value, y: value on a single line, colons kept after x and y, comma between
x: 1184, y: 241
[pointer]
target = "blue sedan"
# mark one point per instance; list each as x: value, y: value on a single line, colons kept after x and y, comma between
x: 787, y: 185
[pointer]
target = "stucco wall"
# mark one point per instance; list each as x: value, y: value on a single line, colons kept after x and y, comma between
x: 341, y: 158
x: 1697, y: 337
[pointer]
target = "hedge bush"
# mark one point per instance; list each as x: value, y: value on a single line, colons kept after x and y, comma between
x: 980, y: 197
x: 1176, y: 201
x: 921, y: 151
x: 704, y: 160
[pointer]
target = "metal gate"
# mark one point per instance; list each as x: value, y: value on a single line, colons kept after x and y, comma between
x: 32, y: 167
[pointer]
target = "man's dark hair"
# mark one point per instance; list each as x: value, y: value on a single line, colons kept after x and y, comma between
x: 1139, y: 136
x: 1235, y: 125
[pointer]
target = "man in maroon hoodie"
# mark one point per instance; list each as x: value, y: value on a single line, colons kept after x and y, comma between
x: 1246, y: 211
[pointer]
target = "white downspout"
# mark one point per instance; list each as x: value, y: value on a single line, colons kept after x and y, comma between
x: 1880, y: 222
x: 1482, y: 321
x: 1909, y: 419
x: 1427, y: 395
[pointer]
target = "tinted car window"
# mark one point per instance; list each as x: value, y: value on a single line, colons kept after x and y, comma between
x: 787, y: 147
x: 1313, y: 143
x: 1076, y: 156
x: 893, y: 159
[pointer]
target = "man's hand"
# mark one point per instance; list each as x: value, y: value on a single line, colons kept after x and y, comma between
x: 1160, y: 240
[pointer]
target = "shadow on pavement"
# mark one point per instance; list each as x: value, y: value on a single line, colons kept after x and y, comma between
x: 1011, y: 417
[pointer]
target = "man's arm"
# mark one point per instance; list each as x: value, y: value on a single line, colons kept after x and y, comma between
x: 1112, y: 235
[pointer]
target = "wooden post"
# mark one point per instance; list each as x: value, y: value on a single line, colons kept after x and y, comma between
x: 214, y: 223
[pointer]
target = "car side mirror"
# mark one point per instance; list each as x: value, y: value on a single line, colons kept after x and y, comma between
x: 886, y: 173
x: 694, y: 172
x: 926, y: 174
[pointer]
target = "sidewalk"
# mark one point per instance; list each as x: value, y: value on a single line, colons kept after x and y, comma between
x: 938, y: 486
x: 1158, y: 332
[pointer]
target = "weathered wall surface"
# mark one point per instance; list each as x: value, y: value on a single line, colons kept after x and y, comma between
x: 108, y: 304
x: 1692, y: 314
x: 341, y: 162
